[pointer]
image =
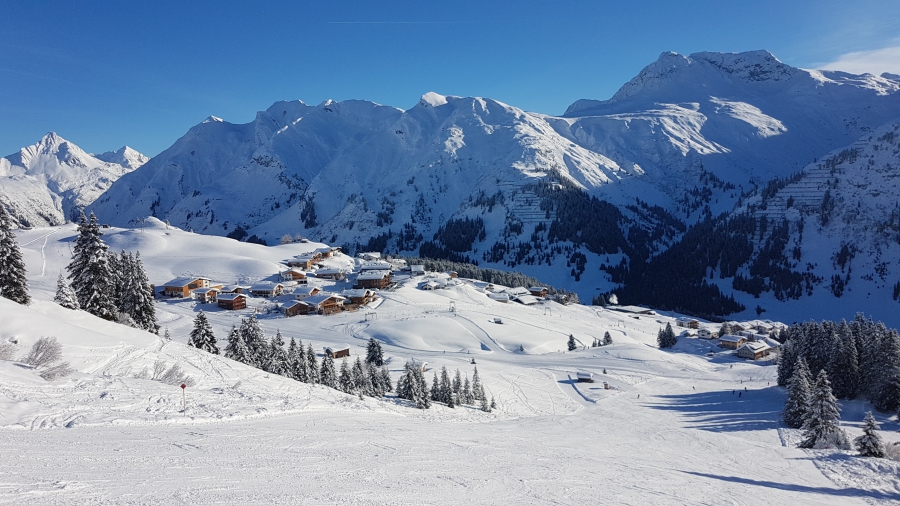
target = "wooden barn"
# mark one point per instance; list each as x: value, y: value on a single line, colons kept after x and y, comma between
x: 360, y: 296
x: 333, y: 274
x: 338, y: 352
x: 294, y: 275
x: 232, y: 301
x: 538, y: 291
x: 732, y: 342
x: 293, y: 308
x: 267, y: 290
x: 754, y: 350
x: 205, y: 295
x: 324, y: 303
x: 373, y: 279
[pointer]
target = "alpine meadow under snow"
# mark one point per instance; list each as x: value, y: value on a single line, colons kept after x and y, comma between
x: 640, y: 301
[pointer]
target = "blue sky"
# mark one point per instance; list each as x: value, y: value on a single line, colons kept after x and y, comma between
x: 141, y: 74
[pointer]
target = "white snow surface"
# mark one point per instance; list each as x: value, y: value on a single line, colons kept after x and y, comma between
x: 671, y: 430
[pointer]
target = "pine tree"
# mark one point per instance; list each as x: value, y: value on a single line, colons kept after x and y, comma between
x: 13, y: 281
x: 666, y: 337
x: 607, y: 339
x: 796, y: 407
x: 822, y: 428
x: 374, y: 354
x: 725, y: 330
x: 202, y: 336
x: 787, y: 362
x: 256, y: 342
x: 327, y: 375
x: 277, y: 362
x: 65, y: 296
x: 89, y: 271
x: 477, y: 389
x: 361, y: 381
x: 292, y: 359
x: 142, y: 308
x: 386, y: 379
x: 435, y: 388
x: 373, y: 380
x: 870, y: 444
x: 345, y: 380
x: 484, y: 403
x: 412, y: 385
x: 844, y: 365
x: 493, y: 404
x: 457, y: 383
x: 236, y: 349
x: 465, y: 397
x: 571, y: 344
x: 312, y: 366
x: 446, y: 389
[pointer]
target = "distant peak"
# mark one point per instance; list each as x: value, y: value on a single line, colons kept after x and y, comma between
x: 432, y: 99
x: 51, y: 139
x: 213, y: 119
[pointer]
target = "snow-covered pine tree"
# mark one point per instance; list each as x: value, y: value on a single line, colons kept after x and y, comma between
x: 796, y: 406
x: 386, y: 382
x: 256, y: 342
x: 465, y: 397
x: 13, y: 281
x: 65, y: 296
x: 844, y: 365
x: 666, y: 337
x: 822, y: 428
x: 292, y: 359
x: 236, y: 349
x: 412, y: 385
x: 493, y: 404
x: 327, y: 375
x: 484, y: 404
x: 143, y: 310
x: 89, y: 271
x: 457, y: 383
x: 607, y: 339
x: 202, y: 336
x: 119, y: 269
x: 477, y: 389
x: 374, y: 380
x: 312, y: 365
x: 885, y: 392
x: 870, y: 443
x: 725, y: 330
x: 594, y: 343
x: 345, y: 380
x: 571, y: 344
x: 374, y: 353
x: 446, y: 388
x: 787, y: 361
x: 360, y: 379
x: 277, y: 362
x: 435, y: 388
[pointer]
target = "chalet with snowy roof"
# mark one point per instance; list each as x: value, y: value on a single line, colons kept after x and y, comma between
x: 754, y: 350
x: 338, y: 351
x: 267, y: 290
x: 686, y: 322
x: 373, y: 279
x: 498, y: 296
x: 453, y: 274
x: 304, y: 292
x: 205, y: 295
x: 638, y: 310
x: 326, y: 251
x: 323, y: 303
x: 705, y: 333
x: 232, y: 301
x: 333, y: 274
x: 360, y: 296
x: 301, y: 263
x: 528, y: 300
x: 293, y: 308
x: 732, y: 342
x: 417, y: 270
x: 234, y: 289
x: 376, y: 266
x: 294, y: 275
x: 539, y: 291
x: 183, y: 287
x: 369, y: 256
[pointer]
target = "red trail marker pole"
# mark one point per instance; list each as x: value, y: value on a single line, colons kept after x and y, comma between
x: 183, y: 399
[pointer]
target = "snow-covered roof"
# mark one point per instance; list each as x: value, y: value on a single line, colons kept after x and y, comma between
x: 291, y: 304
x: 372, y: 275
x: 755, y: 346
x: 231, y: 288
x: 417, y: 268
x: 519, y: 290
x: 306, y: 290
x: 231, y: 296
x: 206, y: 290
x: 498, y: 295
x: 527, y: 299
x: 185, y: 281
x: 315, y: 300
x: 537, y: 288
x: 732, y: 339
x: 376, y: 266
x: 328, y: 272
x: 265, y: 286
x: 357, y: 292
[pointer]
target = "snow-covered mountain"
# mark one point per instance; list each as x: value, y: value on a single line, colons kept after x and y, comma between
x: 48, y: 182
x: 686, y: 139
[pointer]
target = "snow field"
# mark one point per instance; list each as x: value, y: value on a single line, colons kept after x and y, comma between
x: 676, y: 427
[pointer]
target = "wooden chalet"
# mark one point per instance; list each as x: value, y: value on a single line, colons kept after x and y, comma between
x: 183, y: 287
x: 417, y: 270
x: 267, y: 290
x: 333, y: 274
x: 732, y: 342
x: 360, y: 296
x: 689, y: 323
x: 538, y: 291
x: 305, y: 263
x: 232, y: 301
x: 338, y: 352
x: 373, y: 279
x: 294, y: 275
x: 306, y: 291
x: 323, y: 303
x: 706, y: 334
x: 293, y: 308
x: 205, y: 295
x: 754, y: 350
x: 234, y: 289
x: 498, y: 296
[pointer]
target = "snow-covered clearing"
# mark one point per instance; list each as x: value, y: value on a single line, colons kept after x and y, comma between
x: 676, y: 427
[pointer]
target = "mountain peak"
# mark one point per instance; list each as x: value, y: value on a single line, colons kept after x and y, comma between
x: 432, y: 99
x: 124, y: 156
x: 213, y: 119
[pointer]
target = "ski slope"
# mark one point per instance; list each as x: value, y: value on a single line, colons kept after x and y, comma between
x: 675, y: 427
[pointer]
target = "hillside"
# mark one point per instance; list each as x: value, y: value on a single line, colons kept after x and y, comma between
x: 671, y: 429
x: 49, y: 182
